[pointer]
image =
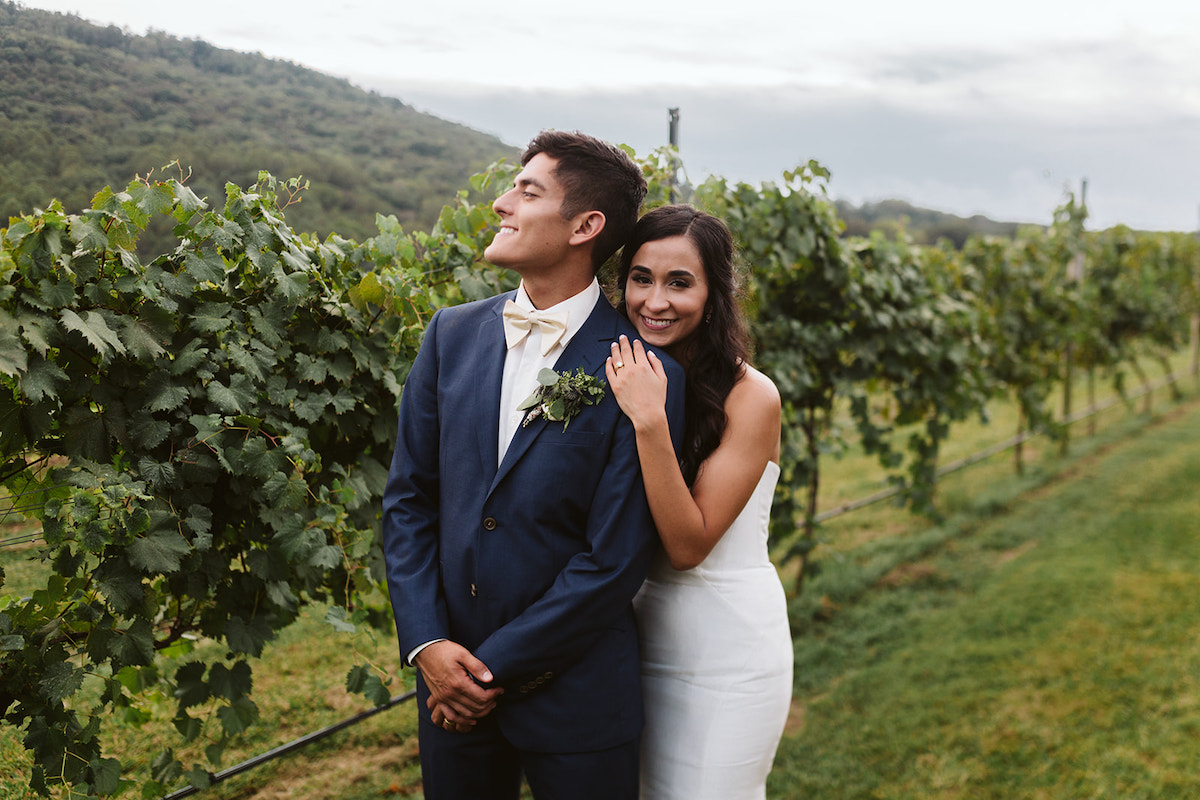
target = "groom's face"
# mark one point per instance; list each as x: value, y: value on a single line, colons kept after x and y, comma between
x: 533, y: 234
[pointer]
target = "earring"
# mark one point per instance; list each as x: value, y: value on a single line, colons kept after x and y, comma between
x: 708, y: 316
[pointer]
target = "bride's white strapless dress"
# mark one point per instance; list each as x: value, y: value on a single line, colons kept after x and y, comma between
x: 716, y: 665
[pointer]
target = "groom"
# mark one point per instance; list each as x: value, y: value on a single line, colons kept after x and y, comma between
x: 514, y: 547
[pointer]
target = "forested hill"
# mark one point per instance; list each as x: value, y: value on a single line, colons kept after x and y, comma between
x: 84, y: 106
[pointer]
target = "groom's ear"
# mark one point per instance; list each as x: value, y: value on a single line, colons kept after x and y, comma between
x: 588, y: 225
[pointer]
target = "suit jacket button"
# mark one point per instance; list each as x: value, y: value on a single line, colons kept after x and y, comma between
x: 489, y: 523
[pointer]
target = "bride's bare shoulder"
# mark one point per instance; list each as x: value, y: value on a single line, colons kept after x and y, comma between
x: 754, y: 392
x: 753, y: 400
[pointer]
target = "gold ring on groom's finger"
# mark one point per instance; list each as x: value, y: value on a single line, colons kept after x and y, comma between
x: 446, y: 724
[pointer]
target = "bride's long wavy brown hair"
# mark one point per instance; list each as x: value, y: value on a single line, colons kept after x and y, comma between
x: 713, y: 358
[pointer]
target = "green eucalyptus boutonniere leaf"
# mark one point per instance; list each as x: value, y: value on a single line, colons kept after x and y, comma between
x: 561, y: 396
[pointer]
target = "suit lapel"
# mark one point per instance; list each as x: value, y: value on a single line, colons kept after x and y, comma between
x: 491, y: 350
x: 581, y: 351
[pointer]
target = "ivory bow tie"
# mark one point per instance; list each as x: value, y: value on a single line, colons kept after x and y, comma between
x: 518, y: 322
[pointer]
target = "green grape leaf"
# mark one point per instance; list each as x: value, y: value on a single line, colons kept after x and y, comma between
x: 60, y: 681
x: 159, y: 552
x: 94, y: 329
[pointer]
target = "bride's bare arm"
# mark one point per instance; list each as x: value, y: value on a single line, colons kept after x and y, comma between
x: 690, y: 523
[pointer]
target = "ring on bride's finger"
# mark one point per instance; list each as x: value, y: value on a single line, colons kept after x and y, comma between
x: 618, y: 364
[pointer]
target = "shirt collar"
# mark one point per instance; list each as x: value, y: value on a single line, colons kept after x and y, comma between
x: 578, y: 307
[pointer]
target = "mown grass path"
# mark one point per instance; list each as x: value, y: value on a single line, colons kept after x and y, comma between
x: 1051, y: 649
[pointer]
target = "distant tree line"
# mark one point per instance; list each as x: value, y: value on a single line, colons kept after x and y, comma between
x: 897, y: 218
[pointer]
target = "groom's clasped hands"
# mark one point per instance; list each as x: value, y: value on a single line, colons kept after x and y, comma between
x: 457, y: 698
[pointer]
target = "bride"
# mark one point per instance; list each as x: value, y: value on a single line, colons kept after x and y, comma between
x: 716, y: 647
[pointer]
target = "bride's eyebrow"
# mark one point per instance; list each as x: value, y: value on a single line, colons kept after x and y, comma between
x: 673, y: 273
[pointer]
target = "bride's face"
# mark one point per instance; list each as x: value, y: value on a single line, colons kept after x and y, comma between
x: 666, y: 292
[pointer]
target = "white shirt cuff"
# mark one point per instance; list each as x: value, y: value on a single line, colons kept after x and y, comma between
x: 413, y: 653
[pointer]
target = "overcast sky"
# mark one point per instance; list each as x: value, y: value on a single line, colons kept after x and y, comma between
x: 963, y: 107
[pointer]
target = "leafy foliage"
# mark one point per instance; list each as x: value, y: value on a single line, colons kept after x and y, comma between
x: 839, y: 322
x: 206, y: 438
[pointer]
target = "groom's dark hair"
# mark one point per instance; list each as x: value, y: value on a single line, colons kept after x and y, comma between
x: 595, y: 176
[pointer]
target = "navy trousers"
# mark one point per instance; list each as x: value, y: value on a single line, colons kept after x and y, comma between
x: 483, y: 765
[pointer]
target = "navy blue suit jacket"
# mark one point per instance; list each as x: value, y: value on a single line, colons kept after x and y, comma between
x: 531, y: 566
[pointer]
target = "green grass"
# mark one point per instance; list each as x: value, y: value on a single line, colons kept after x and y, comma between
x: 1042, y: 644
x: 299, y: 686
x: 853, y: 476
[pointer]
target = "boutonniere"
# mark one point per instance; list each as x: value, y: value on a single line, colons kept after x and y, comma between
x: 561, y: 396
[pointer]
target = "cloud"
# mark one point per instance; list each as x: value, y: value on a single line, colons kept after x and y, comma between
x: 1102, y: 80
x: 923, y: 68
x: 1141, y: 171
